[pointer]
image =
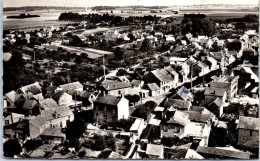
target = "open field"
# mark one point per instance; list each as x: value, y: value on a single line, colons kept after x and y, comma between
x: 50, y: 17
x: 92, y: 53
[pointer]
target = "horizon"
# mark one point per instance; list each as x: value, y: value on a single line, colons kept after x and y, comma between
x: 88, y: 3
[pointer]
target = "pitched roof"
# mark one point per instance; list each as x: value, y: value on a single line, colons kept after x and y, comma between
x: 48, y: 103
x: 182, y: 93
x: 135, y: 82
x: 217, y: 102
x: 215, y: 91
x: 108, y: 100
x: 198, y: 117
x: 118, y: 85
x: 115, y: 155
x: 179, y: 117
x: 249, y: 123
x: 11, y: 95
x: 177, y: 103
x: 29, y: 103
x: 161, y: 76
x: 60, y: 111
x: 153, y: 149
x: 85, y: 94
x: 223, y: 152
x: 56, y: 96
x: 69, y: 86
x: 153, y: 86
x: 34, y: 88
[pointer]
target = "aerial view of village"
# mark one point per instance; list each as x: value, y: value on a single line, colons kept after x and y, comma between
x: 130, y: 80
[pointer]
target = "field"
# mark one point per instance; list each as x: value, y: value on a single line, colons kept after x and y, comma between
x: 50, y: 17
x: 92, y: 53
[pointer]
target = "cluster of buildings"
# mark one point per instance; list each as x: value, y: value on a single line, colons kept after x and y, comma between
x: 183, y: 110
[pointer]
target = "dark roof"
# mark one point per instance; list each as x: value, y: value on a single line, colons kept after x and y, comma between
x: 198, y: 117
x: 108, y: 100
x: 177, y: 103
x: 217, y: 102
x: 182, y: 93
x: 85, y: 94
x: 215, y: 91
x: 56, y: 96
x: 223, y: 152
x: 51, y: 88
x: 48, y: 103
x: 249, y: 123
x: 135, y: 82
x: 28, y: 104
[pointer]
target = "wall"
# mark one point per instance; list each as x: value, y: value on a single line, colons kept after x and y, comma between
x: 123, y: 109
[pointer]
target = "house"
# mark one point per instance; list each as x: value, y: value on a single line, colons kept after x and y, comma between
x: 211, y: 62
x: 164, y: 82
x: 177, y: 60
x: 47, y: 103
x: 154, y: 89
x: 219, y: 56
x: 29, y: 106
x: 136, y: 86
x: 12, y: 118
x: 200, y: 69
x: 62, y: 98
x: 183, y: 93
x: 175, y: 125
x: 137, y: 127
x: 55, y: 117
x: 229, y: 83
x: 154, y: 151
x: 211, y: 93
x: 248, y: 132
x: 28, y: 91
x: 70, y: 87
x: 116, y: 88
x: 108, y: 108
x: 53, y: 134
x: 178, y: 104
x: 170, y: 38
x: 9, y: 99
x: 220, y: 153
x: 170, y: 71
x: 216, y: 107
x: 87, y: 98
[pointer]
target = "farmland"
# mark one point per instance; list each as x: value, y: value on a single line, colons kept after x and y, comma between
x: 50, y: 17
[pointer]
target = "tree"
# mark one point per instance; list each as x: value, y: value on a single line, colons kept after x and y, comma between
x: 168, y: 141
x: 100, y: 142
x: 33, y: 144
x: 75, y: 129
x: 234, y: 46
x: 215, y: 47
x: 11, y: 147
x: 118, y: 53
x: 110, y: 141
x: 146, y: 45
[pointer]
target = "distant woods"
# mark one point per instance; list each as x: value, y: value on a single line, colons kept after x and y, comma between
x: 97, y: 18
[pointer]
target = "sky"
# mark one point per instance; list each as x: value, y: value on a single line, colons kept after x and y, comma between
x: 89, y: 3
